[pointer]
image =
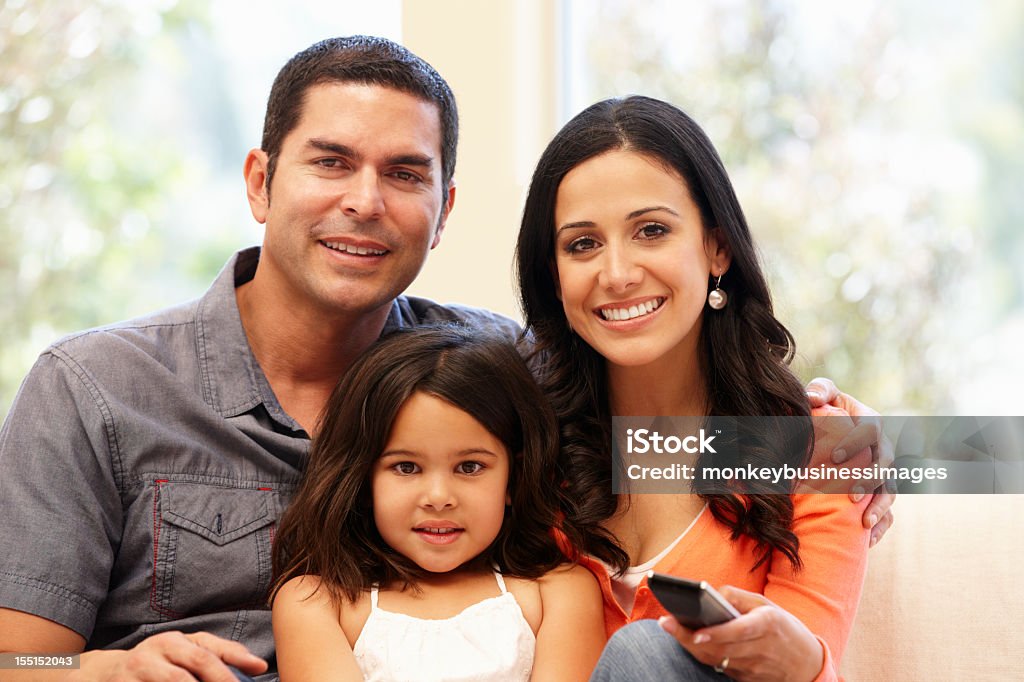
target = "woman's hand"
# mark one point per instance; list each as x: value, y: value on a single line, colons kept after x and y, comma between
x: 765, y: 643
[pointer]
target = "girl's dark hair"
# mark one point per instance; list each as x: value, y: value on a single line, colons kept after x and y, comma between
x: 329, y: 530
x: 746, y: 351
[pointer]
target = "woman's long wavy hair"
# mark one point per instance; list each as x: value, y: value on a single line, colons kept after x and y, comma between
x: 745, y: 349
x: 329, y: 530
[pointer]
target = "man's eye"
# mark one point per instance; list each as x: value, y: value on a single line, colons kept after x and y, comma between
x: 405, y: 468
x: 329, y: 163
x: 406, y: 176
x: 470, y: 467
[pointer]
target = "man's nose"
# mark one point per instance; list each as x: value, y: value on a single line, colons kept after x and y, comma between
x: 363, y: 198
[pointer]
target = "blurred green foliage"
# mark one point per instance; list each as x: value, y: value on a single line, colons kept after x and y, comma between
x: 87, y: 223
x: 877, y: 148
x: 878, y: 151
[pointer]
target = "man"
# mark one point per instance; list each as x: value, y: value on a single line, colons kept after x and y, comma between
x: 143, y: 465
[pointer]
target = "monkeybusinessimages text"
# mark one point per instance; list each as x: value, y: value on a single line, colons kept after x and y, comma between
x: 646, y: 441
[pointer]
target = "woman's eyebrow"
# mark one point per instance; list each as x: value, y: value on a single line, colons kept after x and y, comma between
x: 640, y: 211
x: 629, y: 216
x: 579, y: 223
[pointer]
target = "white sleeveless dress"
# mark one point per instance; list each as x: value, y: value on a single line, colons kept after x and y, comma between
x: 487, y: 641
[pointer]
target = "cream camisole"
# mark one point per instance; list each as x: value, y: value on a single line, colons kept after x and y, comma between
x: 489, y: 640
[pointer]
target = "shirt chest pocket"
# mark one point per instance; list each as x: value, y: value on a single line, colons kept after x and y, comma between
x: 211, y: 548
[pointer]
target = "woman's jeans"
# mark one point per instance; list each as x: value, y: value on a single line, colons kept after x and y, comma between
x: 643, y: 651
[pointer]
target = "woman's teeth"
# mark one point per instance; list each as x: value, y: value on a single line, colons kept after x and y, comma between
x: 618, y: 314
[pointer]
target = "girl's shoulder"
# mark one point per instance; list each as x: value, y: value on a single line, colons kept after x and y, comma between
x: 568, y: 580
x: 566, y: 584
x: 308, y: 594
x: 527, y: 594
x: 301, y: 589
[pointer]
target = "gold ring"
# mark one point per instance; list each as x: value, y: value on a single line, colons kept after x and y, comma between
x: 720, y: 668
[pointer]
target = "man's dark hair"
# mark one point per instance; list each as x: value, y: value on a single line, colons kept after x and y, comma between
x: 357, y: 59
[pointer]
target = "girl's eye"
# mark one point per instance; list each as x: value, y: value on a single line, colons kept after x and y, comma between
x: 405, y: 468
x: 581, y: 245
x: 652, y: 231
x: 469, y: 467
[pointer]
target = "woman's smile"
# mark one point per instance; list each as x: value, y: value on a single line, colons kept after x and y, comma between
x: 627, y: 311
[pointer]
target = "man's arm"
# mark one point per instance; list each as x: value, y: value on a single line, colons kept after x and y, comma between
x: 60, y: 526
x: 202, y: 655
x: 61, y: 517
x: 866, y: 433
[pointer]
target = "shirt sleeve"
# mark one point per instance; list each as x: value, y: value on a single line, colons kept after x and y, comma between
x: 825, y: 591
x: 60, y: 510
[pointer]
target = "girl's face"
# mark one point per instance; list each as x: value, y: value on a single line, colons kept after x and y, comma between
x: 440, y: 486
x: 633, y: 258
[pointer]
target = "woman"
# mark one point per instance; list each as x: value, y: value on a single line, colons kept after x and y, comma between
x: 640, y: 283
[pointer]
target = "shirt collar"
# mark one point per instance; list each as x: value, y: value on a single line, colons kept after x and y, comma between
x: 233, y: 382
x: 230, y: 374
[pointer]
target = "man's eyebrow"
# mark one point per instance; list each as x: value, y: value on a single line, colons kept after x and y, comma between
x: 332, y: 147
x: 411, y: 160
x: 344, y: 150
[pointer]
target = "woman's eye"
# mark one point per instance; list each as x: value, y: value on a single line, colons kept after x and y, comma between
x: 470, y: 467
x: 405, y: 468
x: 581, y: 245
x: 652, y: 231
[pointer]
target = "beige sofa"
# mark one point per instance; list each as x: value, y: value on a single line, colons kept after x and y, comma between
x: 944, y: 595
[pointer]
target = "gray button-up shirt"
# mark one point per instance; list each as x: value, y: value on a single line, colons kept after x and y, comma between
x: 143, y: 467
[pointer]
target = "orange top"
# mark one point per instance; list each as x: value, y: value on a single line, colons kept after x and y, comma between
x: 823, y: 594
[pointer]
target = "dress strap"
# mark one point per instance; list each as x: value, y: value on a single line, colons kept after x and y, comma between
x: 373, y: 598
x: 501, y: 582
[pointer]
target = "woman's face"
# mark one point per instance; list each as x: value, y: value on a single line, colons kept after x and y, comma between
x: 633, y: 258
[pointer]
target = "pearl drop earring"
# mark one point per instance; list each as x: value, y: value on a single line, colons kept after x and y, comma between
x: 717, y: 298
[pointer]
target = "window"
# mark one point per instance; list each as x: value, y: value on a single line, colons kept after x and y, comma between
x: 877, y: 149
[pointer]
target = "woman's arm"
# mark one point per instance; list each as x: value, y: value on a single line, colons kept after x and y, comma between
x: 766, y: 643
x: 311, y: 646
x: 798, y: 629
x: 571, y: 633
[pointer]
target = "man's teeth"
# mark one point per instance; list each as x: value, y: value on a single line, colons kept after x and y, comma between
x: 632, y: 311
x: 357, y: 250
x: 438, y: 531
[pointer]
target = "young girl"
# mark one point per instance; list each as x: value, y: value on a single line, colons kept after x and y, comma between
x: 418, y: 545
